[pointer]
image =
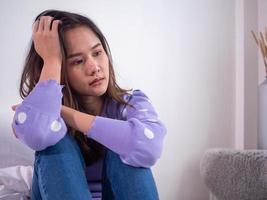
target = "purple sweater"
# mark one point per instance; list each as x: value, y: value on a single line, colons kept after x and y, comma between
x: 134, y: 133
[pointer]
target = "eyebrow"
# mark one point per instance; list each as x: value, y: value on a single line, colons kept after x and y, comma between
x: 79, y: 53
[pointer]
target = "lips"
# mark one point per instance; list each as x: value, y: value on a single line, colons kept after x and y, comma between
x: 95, y: 81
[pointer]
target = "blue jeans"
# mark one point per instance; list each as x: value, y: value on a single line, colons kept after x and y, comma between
x: 59, y: 173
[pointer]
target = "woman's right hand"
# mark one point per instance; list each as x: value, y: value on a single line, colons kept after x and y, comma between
x: 46, y: 39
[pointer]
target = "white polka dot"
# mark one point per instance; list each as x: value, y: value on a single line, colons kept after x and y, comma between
x: 55, y: 126
x: 22, y: 117
x: 148, y: 133
x: 143, y: 110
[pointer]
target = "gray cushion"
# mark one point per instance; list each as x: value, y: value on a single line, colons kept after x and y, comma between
x: 235, y: 175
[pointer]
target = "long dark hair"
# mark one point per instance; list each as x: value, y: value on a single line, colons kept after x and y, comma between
x: 90, y: 149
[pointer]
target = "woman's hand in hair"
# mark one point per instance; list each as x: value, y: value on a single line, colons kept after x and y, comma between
x: 46, y: 40
x: 47, y: 45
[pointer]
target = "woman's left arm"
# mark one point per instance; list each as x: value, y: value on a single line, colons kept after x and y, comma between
x: 138, y: 139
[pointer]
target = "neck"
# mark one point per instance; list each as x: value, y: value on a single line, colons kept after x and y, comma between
x: 91, y: 104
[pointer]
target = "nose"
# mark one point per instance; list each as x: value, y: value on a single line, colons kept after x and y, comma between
x: 91, y: 67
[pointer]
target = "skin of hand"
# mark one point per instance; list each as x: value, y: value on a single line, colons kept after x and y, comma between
x: 14, y: 108
x: 46, y: 39
x: 76, y: 119
x: 46, y: 43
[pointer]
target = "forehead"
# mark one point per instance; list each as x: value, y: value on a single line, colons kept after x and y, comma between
x: 79, y: 39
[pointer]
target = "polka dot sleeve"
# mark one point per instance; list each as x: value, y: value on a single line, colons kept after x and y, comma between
x: 138, y: 139
x: 37, y: 121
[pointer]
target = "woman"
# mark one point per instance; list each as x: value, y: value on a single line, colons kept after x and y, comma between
x: 82, y: 125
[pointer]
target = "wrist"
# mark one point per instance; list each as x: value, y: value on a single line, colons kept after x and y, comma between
x: 76, y: 119
x: 51, y: 70
x: 52, y: 63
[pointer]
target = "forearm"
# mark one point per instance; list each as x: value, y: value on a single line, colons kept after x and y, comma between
x: 76, y: 119
x: 136, y: 134
x: 51, y: 70
x: 37, y: 121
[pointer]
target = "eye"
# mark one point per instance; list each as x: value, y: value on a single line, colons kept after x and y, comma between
x: 97, y: 53
x: 77, y: 62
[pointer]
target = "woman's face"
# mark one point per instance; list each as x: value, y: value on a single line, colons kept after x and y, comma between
x: 87, y: 62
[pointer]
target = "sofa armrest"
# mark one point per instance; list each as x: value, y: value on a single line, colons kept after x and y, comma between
x: 235, y: 174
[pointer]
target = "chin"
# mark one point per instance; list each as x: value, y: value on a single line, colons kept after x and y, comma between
x: 98, y: 91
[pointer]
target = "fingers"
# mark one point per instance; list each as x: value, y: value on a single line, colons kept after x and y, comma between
x: 38, y: 25
x: 35, y: 26
x: 55, y: 24
x: 46, y: 24
x: 14, y: 132
x: 41, y: 24
x: 13, y: 107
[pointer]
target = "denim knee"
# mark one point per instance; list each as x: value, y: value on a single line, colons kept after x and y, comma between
x: 60, y: 171
x: 128, y: 182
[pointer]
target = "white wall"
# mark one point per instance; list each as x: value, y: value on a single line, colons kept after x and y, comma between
x: 181, y: 53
